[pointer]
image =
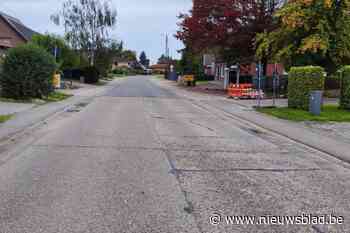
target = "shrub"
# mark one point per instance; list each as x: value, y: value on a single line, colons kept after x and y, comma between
x: 71, y: 60
x: 91, y: 74
x: 332, y: 82
x: 1, y: 63
x: 65, y: 57
x: 119, y: 71
x: 301, y: 81
x: 345, y: 88
x: 27, y: 73
x: 126, y: 71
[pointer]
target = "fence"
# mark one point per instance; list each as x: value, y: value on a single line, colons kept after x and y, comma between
x: 332, y: 85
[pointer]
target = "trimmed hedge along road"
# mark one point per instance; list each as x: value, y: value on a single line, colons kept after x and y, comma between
x: 301, y: 81
x: 345, y: 88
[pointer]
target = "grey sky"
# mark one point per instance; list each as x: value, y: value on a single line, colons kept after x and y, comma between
x: 142, y: 24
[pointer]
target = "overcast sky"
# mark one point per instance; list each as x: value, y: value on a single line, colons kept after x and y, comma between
x: 142, y: 24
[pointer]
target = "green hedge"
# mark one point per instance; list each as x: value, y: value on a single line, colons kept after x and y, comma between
x: 124, y: 71
x: 301, y: 81
x: 27, y: 73
x: 345, y: 88
x: 91, y: 74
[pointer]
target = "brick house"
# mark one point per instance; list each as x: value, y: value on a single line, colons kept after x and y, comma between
x: 13, y: 33
x: 217, y: 67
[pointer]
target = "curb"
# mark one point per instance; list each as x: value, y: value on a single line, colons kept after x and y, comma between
x: 338, y: 150
x: 36, y: 122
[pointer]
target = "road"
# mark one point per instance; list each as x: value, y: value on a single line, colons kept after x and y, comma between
x: 143, y: 157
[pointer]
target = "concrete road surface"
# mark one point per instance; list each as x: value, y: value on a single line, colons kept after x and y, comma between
x: 143, y: 158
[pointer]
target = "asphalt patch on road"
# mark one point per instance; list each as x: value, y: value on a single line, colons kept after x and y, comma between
x: 77, y: 107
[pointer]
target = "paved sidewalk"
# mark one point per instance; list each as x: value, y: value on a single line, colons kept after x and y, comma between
x: 32, y: 114
x: 339, y: 131
x: 278, y: 102
x: 12, y: 108
x: 296, y: 131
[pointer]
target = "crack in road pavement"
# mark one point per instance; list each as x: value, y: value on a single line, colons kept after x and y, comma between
x: 275, y: 170
x: 200, y: 125
x: 161, y: 149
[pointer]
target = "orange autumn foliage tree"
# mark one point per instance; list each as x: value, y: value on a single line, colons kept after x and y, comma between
x: 309, y: 32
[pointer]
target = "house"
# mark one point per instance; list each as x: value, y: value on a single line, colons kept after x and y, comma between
x: 164, y: 65
x: 160, y: 68
x: 13, y: 33
x: 213, y: 66
x: 209, y: 64
x: 121, y: 63
x: 224, y: 74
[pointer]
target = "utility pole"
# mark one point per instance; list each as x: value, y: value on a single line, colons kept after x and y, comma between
x: 259, y: 73
x: 275, y: 77
x: 167, y: 46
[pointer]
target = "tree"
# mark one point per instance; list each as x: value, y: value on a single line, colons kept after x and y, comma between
x: 55, y: 45
x: 129, y: 55
x: 163, y: 59
x: 105, y: 55
x: 87, y: 24
x: 190, y: 64
x: 143, y: 59
x: 228, y: 27
x: 309, y: 33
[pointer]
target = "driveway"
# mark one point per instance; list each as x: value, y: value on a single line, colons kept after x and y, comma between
x: 144, y: 158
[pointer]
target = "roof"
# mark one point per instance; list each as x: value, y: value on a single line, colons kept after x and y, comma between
x: 25, y: 32
x: 159, y: 66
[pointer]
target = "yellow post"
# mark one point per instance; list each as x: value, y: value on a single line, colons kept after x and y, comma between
x: 56, y: 82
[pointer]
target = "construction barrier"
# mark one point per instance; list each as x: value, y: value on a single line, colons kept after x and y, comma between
x: 188, y: 80
x: 244, y: 91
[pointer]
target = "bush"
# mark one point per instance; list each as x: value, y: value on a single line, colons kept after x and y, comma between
x: 345, y: 88
x: 66, y: 57
x: 332, y: 82
x: 27, y: 73
x: 120, y: 71
x: 126, y: 71
x: 91, y: 74
x: 204, y: 77
x: 301, y: 81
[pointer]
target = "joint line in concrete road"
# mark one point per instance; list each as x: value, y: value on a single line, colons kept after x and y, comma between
x: 272, y: 170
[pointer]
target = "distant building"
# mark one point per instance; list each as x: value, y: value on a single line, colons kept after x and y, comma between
x: 160, y: 68
x: 13, y: 33
x: 222, y: 72
x: 121, y: 63
x: 209, y: 64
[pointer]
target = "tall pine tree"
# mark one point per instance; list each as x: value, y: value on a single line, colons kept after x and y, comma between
x: 143, y: 59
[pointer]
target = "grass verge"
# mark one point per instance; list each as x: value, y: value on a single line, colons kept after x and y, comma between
x: 158, y: 76
x: 57, y: 96
x: 202, y: 82
x: 53, y: 97
x: 329, y: 113
x: 4, y: 118
x: 7, y: 100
